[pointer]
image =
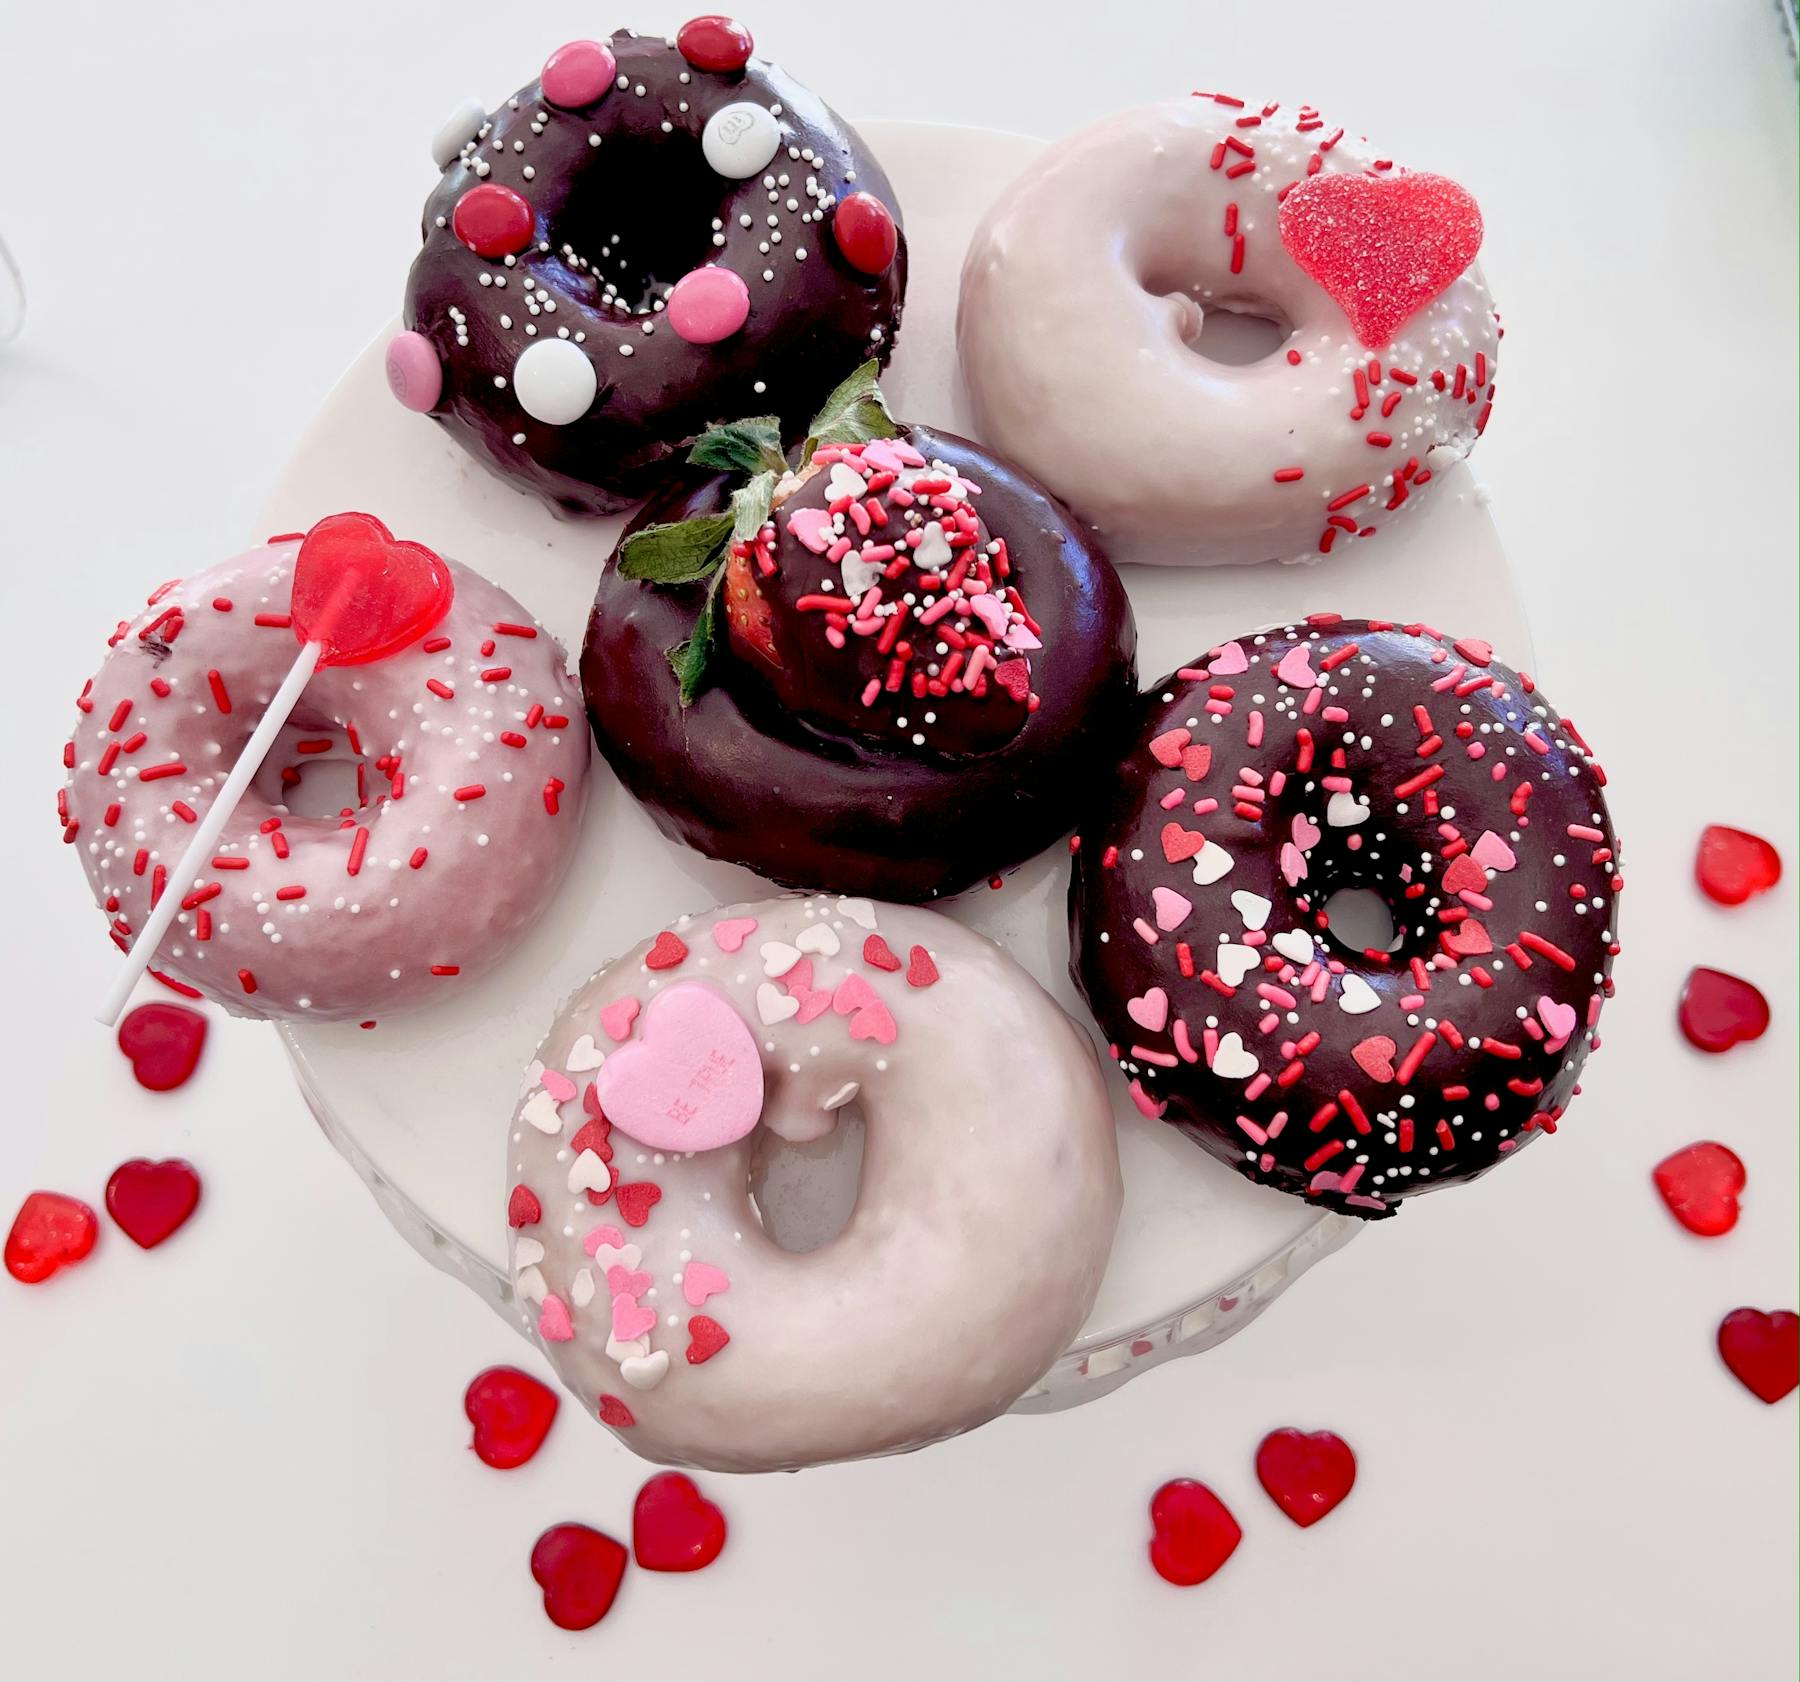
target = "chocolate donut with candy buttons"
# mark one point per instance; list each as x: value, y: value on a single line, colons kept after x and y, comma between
x: 652, y: 235
x: 1335, y: 754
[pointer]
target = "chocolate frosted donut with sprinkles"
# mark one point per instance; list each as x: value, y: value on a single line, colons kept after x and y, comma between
x: 653, y: 234
x: 1085, y: 335
x: 1287, y: 767
x: 415, y: 816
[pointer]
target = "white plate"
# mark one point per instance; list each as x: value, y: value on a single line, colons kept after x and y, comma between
x: 419, y: 1105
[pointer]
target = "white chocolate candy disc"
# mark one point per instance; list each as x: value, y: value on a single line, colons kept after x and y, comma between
x: 554, y: 381
x: 456, y: 131
x: 739, y: 140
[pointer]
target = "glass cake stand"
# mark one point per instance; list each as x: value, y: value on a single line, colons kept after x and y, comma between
x: 420, y: 1105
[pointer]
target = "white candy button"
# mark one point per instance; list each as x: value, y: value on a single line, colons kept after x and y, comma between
x: 554, y: 381
x: 740, y: 140
x: 459, y: 128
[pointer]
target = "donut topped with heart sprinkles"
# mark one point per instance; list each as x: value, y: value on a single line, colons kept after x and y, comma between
x: 1286, y: 767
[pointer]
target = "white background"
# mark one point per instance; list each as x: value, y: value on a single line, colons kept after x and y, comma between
x: 244, y: 1455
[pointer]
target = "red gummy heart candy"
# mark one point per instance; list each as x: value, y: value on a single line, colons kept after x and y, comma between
x: 1194, y: 1532
x: 1382, y: 246
x: 511, y: 1412
x: 50, y: 1231
x: 1718, y: 1010
x: 1700, y: 1185
x: 1305, y: 1475
x: 363, y: 594
x: 674, y: 1527
x: 1732, y: 864
x: 149, y: 1200
x: 1762, y: 1350
x: 164, y: 1042
x: 579, y: 1571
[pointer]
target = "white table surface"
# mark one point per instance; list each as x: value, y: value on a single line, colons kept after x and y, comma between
x: 244, y: 1455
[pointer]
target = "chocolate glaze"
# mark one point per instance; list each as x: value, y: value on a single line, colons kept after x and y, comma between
x: 816, y: 318
x: 741, y: 777
x: 1517, y: 1074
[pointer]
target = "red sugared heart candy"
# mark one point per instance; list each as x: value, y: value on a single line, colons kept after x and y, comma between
x: 1700, y: 1184
x: 164, y: 1042
x: 1194, y: 1532
x: 1718, y: 1010
x: 1382, y: 246
x: 1732, y: 864
x: 1306, y: 1475
x: 1762, y: 1350
x: 363, y: 593
x: 579, y: 1571
x: 49, y: 1231
x: 674, y: 1527
x: 511, y: 1412
x: 148, y: 1200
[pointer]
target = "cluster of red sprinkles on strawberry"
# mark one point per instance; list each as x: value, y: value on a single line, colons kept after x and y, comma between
x: 1086, y: 289
x: 1285, y: 767
x: 928, y: 665
x: 652, y: 235
x: 415, y: 816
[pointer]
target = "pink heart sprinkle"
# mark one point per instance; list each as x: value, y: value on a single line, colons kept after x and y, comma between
x: 1293, y: 864
x: 991, y: 611
x: 853, y: 993
x: 1150, y: 1011
x: 798, y: 979
x: 882, y: 456
x: 1491, y: 853
x: 558, y: 1085
x: 627, y: 1282
x: 1229, y: 661
x: 814, y: 1002
x: 629, y: 1321
x: 1172, y: 909
x: 811, y: 526
x: 554, y: 1324
x: 603, y: 1235
x: 730, y: 933
x: 692, y: 1080
x: 1558, y: 1019
x: 1166, y: 748
x: 1295, y: 669
x: 874, y: 1022
x: 1305, y: 833
x: 700, y: 1280
x: 618, y: 1017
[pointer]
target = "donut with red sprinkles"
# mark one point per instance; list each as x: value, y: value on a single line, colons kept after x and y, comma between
x: 1268, y: 777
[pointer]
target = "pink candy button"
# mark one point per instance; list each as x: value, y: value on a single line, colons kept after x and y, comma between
x: 577, y: 74
x: 414, y: 374
x: 708, y: 304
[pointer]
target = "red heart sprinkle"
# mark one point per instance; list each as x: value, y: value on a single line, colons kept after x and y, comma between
x: 49, y: 1231
x: 164, y: 1042
x: 878, y: 954
x: 706, y: 1337
x: 149, y: 1200
x: 1718, y: 1010
x: 523, y: 1208
x: 1468, y: 939
x: 636, y: 1200
x: 579, y: 1571
x: 674, y: 1527
x: 1375, y: 1057
x: 1167, y: 748
x: 595, y: 1136
x: 1305, y: 1475
x: 1194, y: 1532
x: 492, y: 221
x: 1700, y: 1185
x: 1179, y: 843
x: 1732, y: 864
x: 615, y: 1413
x: 1196, y: 761
x: 1383, y: 247
x: 511, y: 1412
x: 1762, y: 1350
x: 1014, y: 676
x: 1463, y: 873
x: 920, y: 970
x: 668, y: 951
x: 363, y: 594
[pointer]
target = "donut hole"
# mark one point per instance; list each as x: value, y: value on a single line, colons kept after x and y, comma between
x: 1359, y: 919
x: 803, y: 1193
x: 1235, y: 332
x: 312, y: 772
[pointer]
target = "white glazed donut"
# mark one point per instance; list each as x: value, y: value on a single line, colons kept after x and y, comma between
x: 985, y: 1211
x: 463, y: 759
x: 1083, y: 295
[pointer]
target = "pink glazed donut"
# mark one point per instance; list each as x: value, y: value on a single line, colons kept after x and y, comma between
x: 984, y: 1214
x: 461, y: 763
x: 1084, y: 293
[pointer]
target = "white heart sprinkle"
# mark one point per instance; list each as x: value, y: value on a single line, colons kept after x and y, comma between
x: 584, y: 1055
x: 860, y: 911
x: 818, y: 937
x: 933, y: 552
x: 623, y: 1350
x: 1358, y: 998
x: 527, y: 1252
x: 1232, y: 1061
x: 1235, y: 962
x: 858, y: 575
x: 773, y: 1005
x: 531, y: 1285
x: 1210, y: 863
x: 581, y: 1289
x: 543, y: 1112
x: 588, y: 1173
x: 842, y: 1096
x: 645, y: 1372
x: 1345, y: 811
x: 1295, y: 944
x: 1253, y: 908
x: 778, y: 957
x: 617, y: 1255
x: 844, y: 481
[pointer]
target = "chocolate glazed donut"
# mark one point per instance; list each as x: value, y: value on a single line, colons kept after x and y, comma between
x: 647, y: 238
x: 1334, y: 754
x: 792, y: 766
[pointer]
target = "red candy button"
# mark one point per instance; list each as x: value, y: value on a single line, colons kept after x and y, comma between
x: 674, y: 1527
x: 865, y: 233
x: 579, y: 1571
x: 1718, y: 1010
x: 1194, y: 1532
x: 149, y: 1201
x: 512, y: 1414
x: 1306, y: 1476
x: 50, y: 1231
x: 714, y: 42
x: 363, y: 594
x: 1700, y: 1185
x: 163, y: 1042
x: 1762, y: 1350
x: 1732, y: 864
x: 492, y: 221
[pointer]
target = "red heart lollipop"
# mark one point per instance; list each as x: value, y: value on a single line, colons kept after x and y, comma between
x: 1382, y: 246
x: 163, y: 1042
x: 674, y: 1527
x: 150, y: 1200
x: 364, y: 594
x: 1733, y: 864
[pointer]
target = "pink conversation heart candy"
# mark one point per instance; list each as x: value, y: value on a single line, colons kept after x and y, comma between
x: 707, y: 305
x: 691, y: 1081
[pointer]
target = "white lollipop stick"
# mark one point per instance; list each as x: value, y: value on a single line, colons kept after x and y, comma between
x: 212, y: 825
